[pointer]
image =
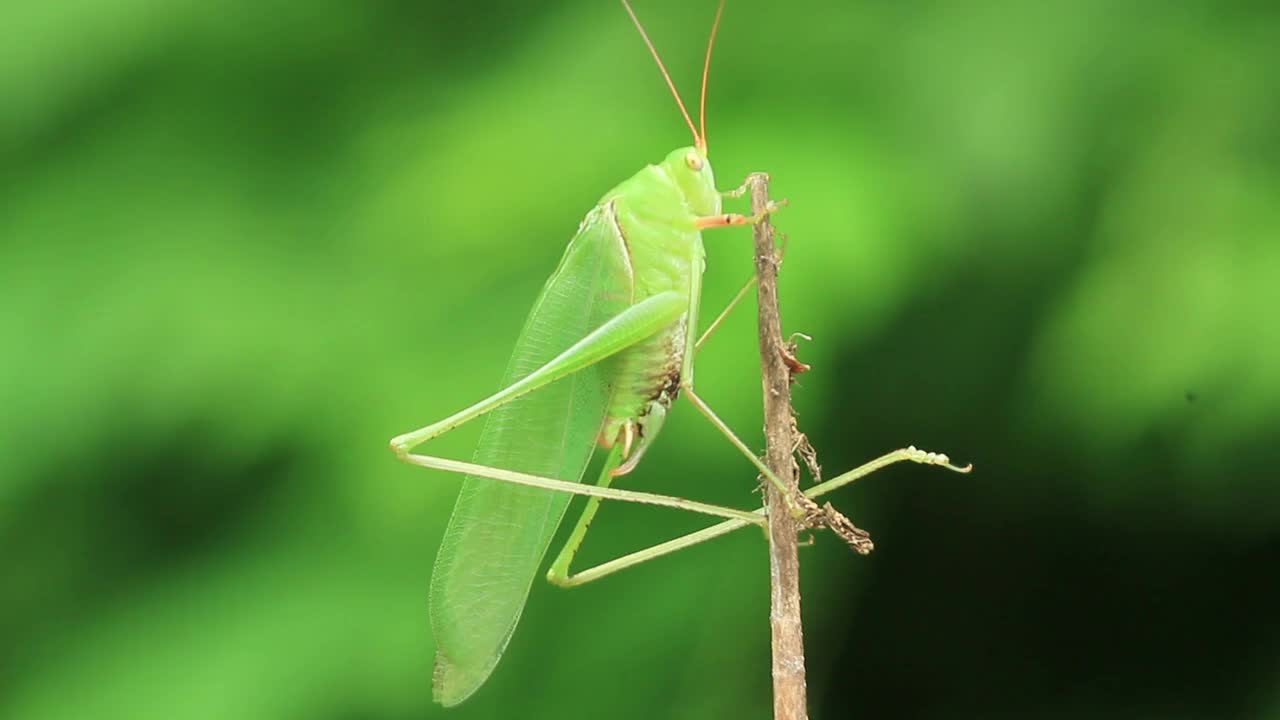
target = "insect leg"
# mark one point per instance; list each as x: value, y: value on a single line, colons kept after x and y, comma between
x: 909, y: 454
x: 725, y: 313
x: 687, y: 391
x: 566, y: 579
x: 622, y: 331
x: 630, y: 326
x: 746, y: 185
x: 726, y: 219
x: 559, y: 573
x: 742, y: 292
x: 546, y: 483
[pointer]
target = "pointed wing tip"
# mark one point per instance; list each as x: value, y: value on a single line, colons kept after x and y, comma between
x: 451, y: 684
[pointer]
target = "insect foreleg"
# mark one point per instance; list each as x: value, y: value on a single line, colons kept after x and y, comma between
x: 726, y: 219
x: 745, y: 186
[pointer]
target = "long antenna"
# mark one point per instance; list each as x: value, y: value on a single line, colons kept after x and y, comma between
x: 706, y: 68
x: 697, y: 139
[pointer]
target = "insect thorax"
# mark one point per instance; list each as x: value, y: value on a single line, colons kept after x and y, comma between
x: 655, y: 219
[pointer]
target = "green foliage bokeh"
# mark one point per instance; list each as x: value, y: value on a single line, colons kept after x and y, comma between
x: 242, y: 245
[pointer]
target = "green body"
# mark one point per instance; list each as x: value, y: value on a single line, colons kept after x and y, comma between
x: 606, y: 348
x: 636, y: 260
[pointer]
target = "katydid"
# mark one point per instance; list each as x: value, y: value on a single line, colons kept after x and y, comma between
x: 606, y: 349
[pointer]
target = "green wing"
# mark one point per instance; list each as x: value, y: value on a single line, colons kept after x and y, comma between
x: 499, y: 531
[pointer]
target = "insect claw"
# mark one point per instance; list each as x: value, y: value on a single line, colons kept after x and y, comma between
x: 746, y: 184
x: 771, y: 208
x: 931, y: 458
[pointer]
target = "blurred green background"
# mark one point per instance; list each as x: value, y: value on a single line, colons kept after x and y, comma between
x: 243, y: 244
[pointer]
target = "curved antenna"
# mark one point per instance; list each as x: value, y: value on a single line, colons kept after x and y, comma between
x: 706, y: 68
x: 697, y: 139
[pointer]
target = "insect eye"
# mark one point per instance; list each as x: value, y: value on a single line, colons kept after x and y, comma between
x: 694, y: 161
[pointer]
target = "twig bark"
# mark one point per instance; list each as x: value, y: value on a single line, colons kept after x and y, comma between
x: 776, y: 362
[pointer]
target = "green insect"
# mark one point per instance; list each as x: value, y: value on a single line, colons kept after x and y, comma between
x: 606, y: 350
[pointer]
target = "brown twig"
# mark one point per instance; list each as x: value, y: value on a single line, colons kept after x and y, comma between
x: 777, y: 365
